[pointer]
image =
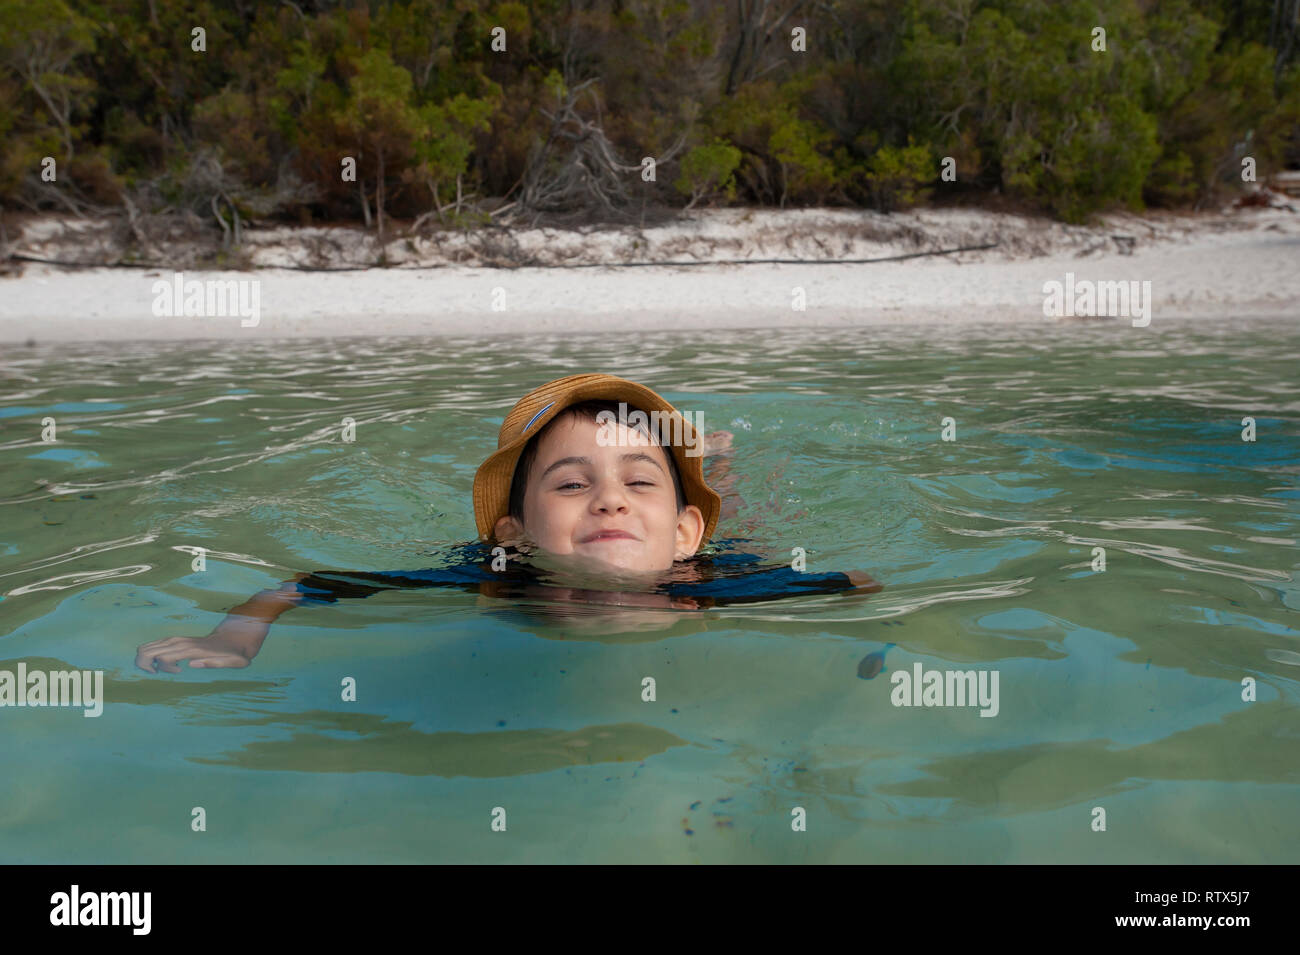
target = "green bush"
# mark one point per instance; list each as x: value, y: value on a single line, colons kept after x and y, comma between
x: 896, y: 177
x: 708, y: 171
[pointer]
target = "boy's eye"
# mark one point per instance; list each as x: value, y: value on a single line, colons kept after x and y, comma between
x: 579, y: 484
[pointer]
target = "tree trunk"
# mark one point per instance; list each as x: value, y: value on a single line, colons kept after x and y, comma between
x: 60, y: 116
x: 379, y: 196
x: 221, y: 221
x: 433, y: 190
x: 1289, y: 23
x: 754, y: 34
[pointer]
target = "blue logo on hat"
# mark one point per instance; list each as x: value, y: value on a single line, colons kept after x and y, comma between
x: 536, y: 416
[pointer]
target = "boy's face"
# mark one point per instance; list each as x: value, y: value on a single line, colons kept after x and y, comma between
x: 613, y: 505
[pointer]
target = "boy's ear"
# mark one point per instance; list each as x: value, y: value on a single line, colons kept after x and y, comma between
x: 690, y: 532
x: 508, y: 530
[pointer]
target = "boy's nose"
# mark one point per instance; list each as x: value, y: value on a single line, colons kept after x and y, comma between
x: 610, y: 497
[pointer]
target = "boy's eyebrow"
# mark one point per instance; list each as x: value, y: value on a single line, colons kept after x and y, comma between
x: 630, y: 456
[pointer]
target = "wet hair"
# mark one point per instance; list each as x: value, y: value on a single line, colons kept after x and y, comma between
x: 588, y: 410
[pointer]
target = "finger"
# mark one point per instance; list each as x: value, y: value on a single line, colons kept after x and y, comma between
x: 232, y: 661
x: 150, y: 660
x: 155, y: 644
x: 173, y: 654
x: 167, y: 659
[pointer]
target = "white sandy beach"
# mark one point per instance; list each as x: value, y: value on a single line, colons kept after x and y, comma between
x: 1242, y: 262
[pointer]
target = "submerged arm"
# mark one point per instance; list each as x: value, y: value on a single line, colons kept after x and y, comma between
x: 232, y: 643
x: 238, y: 638
x: 774, y: 583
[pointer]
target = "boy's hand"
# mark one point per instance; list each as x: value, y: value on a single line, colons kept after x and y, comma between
x: 233, y: 643
x: 229, y: 646
x: 717, y: 441
x: 863, y: 582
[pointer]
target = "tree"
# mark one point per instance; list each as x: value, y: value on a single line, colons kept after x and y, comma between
x: 708, y: 171
x: 443, y: 144
x: 39, y: 43
x: 379, y: 117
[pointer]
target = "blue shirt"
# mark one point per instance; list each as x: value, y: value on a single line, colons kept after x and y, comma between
x: 730, y: 578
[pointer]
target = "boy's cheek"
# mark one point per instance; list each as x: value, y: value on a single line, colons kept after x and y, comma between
x: 548, y: 539
x: 561, y: 530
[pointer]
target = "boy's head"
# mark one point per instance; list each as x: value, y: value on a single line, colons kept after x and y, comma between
x: 578, y: 473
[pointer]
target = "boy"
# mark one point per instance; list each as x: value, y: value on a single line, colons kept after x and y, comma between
x: 580, y: 484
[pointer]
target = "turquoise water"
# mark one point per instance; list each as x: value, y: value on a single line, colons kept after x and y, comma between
x: 1118, y: 689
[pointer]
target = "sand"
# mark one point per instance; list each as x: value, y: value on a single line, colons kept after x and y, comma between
x: 1243, y: 262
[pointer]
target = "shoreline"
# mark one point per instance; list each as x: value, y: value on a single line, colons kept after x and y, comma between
x: 1241, y: 263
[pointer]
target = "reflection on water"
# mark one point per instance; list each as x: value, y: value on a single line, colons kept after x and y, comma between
x: 374, y: 744
x: 1074, y: 445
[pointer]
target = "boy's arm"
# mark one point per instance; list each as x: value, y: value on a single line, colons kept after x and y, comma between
x: 234, y: 641
x: 774, y: 583
x: 238, y: 638
x: 718, y: 472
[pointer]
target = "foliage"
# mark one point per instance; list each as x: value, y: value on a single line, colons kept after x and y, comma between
x: 896, y: 176
x: 259, y: 122
x: 707, y: 171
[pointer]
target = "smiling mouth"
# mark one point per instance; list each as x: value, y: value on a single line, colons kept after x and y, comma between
x: 609, y: 536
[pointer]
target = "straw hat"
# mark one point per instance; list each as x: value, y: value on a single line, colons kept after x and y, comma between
x: 532, y: 413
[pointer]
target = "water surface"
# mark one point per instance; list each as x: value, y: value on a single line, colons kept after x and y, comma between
x: 1119, y: 689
